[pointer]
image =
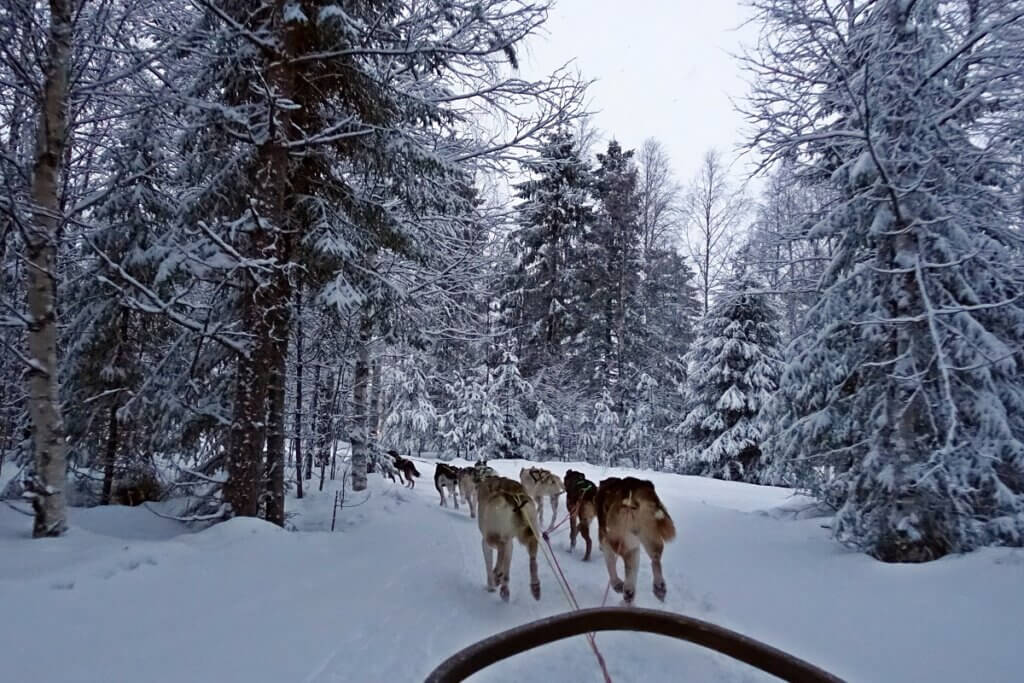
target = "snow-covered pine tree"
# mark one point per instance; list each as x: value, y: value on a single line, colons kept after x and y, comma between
x: 612, y: 277
x: 541, y: 294
x: 484, y: 415
x: 411, y: 419
x: 903, y: 404
x: 733, y: 367
x: 671, y: 310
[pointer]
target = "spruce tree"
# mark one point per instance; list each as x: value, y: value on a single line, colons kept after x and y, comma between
x: 542, y: 294
x: 613, y: 266
x: 903, y: 404
x: 732, y: 368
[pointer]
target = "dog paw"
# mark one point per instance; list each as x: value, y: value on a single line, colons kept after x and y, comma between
x: 660, y: 590
x: 586, y: 558
x: 504, y: 593
x: 535, y: 590
x: 627, y: 596
x: 617, y: 585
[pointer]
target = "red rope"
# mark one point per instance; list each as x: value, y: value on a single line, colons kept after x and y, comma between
x: 575, y: 603
x: 567, y: 516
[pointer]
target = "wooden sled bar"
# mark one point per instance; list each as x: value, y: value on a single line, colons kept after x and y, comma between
x: 500, y: 646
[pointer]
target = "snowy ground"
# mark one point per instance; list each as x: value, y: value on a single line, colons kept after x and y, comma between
x: 128, y: 596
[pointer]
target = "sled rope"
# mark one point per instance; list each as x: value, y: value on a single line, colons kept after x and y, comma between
x: 575, y: 510
x: 570, y: 597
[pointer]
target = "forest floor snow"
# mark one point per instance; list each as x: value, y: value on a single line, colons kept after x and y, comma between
x: 398, y: 587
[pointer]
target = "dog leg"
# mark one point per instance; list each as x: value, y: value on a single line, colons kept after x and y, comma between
x: 573, y: 530
x: 539, y: 500
x: 554, y: 510
x: 455, y: 496
x: 488, y: 557
x: 610, y: 558
x: 632, y: 559
x: 502, y: 567
x: 654, y: 550
x: 531, y: 548
x: 584, y: 529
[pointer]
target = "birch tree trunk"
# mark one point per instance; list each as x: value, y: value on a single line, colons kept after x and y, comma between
x: 46, y: 488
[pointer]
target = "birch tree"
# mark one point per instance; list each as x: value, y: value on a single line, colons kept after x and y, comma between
x: 713, y: 212
x: 41, y: 234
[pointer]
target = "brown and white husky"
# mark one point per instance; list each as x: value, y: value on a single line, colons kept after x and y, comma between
x: 506, y: 513
x: 538, y: 483
x: 630, y: 515
x: 446, y: 476
x: 580, y: 499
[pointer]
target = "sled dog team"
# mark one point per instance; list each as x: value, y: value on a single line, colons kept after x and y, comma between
x: 630, y: 516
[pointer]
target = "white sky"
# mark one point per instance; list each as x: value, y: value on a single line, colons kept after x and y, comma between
x: 662, y: 70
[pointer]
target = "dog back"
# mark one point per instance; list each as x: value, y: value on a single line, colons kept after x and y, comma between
x: 579, y: 488
x: 632, y: 505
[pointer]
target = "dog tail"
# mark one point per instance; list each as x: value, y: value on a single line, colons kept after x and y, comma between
x: 415, y: 472
x: 666, y: 527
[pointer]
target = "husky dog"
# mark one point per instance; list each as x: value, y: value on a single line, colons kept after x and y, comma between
x: 387, y: 469
x: 630, y: 515
x: 469, y: 477
x: 446, y: 476
x: 481, y: 470
x: 538, y: 483
x: 580, y: 497
x: 506, y: 512
x: 405, y: 468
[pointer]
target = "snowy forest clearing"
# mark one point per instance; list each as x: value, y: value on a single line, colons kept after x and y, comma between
x: 399, y: 587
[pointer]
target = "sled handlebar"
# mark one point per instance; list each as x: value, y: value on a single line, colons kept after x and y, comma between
x: 502, y: 645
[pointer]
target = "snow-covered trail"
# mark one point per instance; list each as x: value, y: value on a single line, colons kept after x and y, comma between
x: 399, y: 587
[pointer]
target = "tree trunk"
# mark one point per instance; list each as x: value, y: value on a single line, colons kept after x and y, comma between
x: 360, y: 412
x: 113, y: 430
x: 375, y: 403
x: 297, y: 429
x: 314, y: 417
x: 265, y: 296
x: 245, y: 461
x: 325, y: 432
x: 47, y: 484
x: 337, y: 418
x: 111, y: 456
x: 276, y: 440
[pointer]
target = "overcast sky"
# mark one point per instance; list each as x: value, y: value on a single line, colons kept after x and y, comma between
x: 663, y: 69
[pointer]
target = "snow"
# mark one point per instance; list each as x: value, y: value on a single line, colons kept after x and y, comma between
x: 399, y: 587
